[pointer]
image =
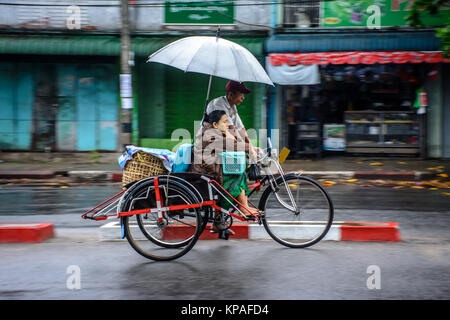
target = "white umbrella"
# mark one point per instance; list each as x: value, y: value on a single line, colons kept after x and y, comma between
x: 213, y: 56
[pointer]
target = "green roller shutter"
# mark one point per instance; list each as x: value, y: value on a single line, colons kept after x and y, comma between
x: 171, y: 99
x: 185, y: 100
x: 101, y: 45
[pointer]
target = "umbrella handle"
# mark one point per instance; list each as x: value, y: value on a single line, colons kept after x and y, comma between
x: 210, y: 80
x: 209, y: 89
x: 210, y: 77
x: 207, y: 98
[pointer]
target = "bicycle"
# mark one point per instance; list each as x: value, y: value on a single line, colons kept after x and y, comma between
x: 171, y: 211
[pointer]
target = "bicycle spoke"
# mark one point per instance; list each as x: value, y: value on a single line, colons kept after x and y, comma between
x: 163, y: 238
x: 305, y: 225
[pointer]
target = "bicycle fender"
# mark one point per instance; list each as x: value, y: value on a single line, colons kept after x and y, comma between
x: 122, y: 229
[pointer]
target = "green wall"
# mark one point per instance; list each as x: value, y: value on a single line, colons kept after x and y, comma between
x: 170, y: 99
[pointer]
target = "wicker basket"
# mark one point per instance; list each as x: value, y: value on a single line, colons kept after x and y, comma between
x: 143, y: 165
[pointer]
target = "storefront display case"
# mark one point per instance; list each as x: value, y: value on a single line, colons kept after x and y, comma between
x: 309, y: 139
x: 389, y: 132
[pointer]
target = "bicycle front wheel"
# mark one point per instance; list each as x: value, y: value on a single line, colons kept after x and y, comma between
x: 299, y: 213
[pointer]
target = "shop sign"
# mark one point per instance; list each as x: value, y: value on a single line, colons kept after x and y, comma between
x: 421, y: 101
x: 199, y: 12
x: 334, y: 137
x: 356, y: 57
x: 351, y: 13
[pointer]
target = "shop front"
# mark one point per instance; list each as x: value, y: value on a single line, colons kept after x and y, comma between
x: 365, y: 102
x: 58, y: 103
x: 61, y: 93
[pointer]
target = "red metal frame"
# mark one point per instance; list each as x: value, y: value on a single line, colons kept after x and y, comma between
x: 158, y: 199
x: 100, y: 207
x: 161, y: 209
x: 237, y: 217
x: 169, y: 208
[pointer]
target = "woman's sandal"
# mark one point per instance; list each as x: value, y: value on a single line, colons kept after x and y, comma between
x: 252, y: 216
x: 222, y: 234
x: 225, y: 234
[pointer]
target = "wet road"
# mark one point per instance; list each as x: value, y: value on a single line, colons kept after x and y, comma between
x: 19, y: 199
x: 416, y: 268
x: 420, y: 213
x: 234, y: 269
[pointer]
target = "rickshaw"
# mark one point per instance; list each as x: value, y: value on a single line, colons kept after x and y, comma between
x: 163, y: 216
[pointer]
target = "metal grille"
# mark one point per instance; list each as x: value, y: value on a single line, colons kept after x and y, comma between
x: 301, y: 14
x: 49, y: 17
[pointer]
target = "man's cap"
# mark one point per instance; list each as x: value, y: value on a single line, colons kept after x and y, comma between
x: 235, y: 86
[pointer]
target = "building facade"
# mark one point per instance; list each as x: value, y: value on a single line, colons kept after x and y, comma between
x: 60, y: 67
x: 353, y: 77
x: 348, y: 75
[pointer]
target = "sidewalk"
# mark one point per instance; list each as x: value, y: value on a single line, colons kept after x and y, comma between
x: 104, y: 167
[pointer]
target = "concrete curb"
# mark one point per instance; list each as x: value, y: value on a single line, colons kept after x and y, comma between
x: 82, y: 176
x: 27, y: 174
x: 339, y: 231
x: 391, y: 175
x: 25, y: 232
x: 116, y: 176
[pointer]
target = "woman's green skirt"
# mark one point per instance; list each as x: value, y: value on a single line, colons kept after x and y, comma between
x: 234, y: 184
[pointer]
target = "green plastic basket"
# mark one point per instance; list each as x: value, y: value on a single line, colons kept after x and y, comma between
x: 234, y: 162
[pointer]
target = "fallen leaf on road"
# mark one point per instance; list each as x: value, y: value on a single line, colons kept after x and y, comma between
x: 351, y: 180
x: 401, y: 162
x: 443, y: 175
x: 377, y: 164
x: 446, y: 193
x: 405, y: 183
x: 417, y: 187
x: 436, y: 168
x: 436, y: 184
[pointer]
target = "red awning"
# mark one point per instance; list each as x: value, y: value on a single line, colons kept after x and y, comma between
x: 357, y: 57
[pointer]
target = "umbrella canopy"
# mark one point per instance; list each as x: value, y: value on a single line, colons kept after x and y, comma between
x: 213, y: 56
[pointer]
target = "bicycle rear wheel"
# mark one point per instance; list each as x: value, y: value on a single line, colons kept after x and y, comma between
x: 170, y: 238
x: 299, y: 214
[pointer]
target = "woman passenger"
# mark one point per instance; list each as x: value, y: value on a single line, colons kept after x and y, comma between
x: 213, y: 139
